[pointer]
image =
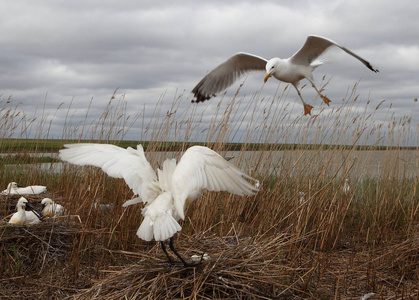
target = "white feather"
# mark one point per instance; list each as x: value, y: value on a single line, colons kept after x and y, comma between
x: 199, y: 169
x: 50, y: 208
x: 132, y: 202
x: 31, y: 218
x: 22, y: 217
x: 129, y: 164
x: 14, y: 189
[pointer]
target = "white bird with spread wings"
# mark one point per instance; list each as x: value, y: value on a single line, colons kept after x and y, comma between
x: 166, y: 193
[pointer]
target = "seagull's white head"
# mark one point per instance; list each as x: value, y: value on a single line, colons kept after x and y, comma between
x: 271, y: 67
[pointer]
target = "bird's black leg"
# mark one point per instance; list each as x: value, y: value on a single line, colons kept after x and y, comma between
x: 171, y: 261
x: 186, y: 264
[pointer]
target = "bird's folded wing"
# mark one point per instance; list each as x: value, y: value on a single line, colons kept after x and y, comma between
x: 226, y: 74
x: 201, y: 168
x: 129, y: 164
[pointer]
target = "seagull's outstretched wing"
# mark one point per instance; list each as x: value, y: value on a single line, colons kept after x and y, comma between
x: 316, y: 46
x: 201, y: 168
x: 226, y: 74
x: 129, y: 164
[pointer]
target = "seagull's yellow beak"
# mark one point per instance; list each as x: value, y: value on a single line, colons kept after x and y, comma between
x: 267, y: 77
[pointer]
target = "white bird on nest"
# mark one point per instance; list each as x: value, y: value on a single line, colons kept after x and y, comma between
x: 291, y: 70
x: 50, y: 208
x: 346, y: 188
x: 23, y: 217
x: 166, y: 193
x: 14, y: 189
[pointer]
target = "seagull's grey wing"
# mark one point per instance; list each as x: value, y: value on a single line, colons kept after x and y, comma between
x: 226, y: 74
x: 316, y: 46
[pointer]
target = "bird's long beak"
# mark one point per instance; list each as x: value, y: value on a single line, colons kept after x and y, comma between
x: 267, y: 77
x: 34, y: 211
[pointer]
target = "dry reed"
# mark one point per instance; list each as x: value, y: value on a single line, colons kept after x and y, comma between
x: 327, y: 244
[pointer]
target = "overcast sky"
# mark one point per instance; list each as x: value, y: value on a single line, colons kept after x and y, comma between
x: 60, y: 53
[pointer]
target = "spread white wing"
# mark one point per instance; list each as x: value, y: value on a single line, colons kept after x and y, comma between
x: 200, y: 169
x: 129, y: 164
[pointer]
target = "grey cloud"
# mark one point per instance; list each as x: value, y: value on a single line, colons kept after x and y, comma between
x: 81, y: 50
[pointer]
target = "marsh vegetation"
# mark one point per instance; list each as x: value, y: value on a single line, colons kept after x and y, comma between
x: 326, y: 243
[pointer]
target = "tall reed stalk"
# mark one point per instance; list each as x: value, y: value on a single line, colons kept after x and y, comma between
x: 313, y: 155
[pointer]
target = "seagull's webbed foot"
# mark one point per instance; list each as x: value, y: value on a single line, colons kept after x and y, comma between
x: 325, y: 99
x: 307, y: 109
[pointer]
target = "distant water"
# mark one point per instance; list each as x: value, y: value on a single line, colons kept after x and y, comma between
x: 302, y: 163
x: 299, y: 163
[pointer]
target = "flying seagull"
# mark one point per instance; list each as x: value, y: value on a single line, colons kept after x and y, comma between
x: 166, y: 193
x: 291, y: 70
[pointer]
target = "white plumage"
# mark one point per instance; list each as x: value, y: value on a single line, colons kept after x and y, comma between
x: 50, y: 208
x: 14, y: 189
x: 346, y: 188
x: 22, y: 217
x: 174, y: 186
x: 290, y: 70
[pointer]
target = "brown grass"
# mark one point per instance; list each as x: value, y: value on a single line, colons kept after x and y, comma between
x: 270, y: 246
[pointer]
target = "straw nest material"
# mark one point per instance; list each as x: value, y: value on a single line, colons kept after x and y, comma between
x: 237, y: 268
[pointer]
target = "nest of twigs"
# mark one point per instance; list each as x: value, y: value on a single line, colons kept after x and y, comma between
x: 31, y: 249
x: 265, y: 267
x: 45, y: 261
x: 237, y: 268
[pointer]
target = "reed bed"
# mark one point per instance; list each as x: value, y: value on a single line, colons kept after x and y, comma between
x: 279, y: 244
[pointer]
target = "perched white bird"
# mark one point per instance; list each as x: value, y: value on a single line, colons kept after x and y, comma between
x: 50, y: 208
x: 302, y: 198
x: 168, y: 192
x: 22, y: 217
x: 14, y: 189
x: 346, y: 188
x: 290, y: 70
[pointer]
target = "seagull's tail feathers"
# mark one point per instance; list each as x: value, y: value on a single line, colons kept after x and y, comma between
x: 162, y: 228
